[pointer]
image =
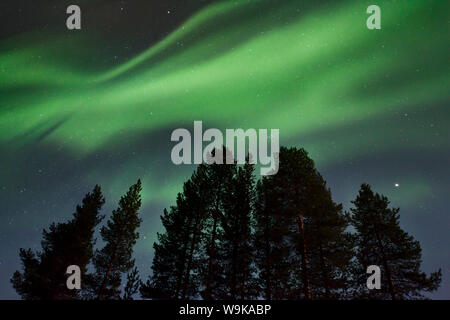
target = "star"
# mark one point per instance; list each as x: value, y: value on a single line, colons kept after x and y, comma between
x: 396, y: 185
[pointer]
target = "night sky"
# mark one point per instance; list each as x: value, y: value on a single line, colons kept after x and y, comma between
x: 97, y: 105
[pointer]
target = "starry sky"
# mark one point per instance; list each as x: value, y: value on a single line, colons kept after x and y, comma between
x: 97, y: 105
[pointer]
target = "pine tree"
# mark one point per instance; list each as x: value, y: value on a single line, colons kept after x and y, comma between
x: 216, y: 179
x: 65, y: 244
x: 171, y: 253
x: 301, y: 240
x: 176, y: 251
x: 382, y: 242
x: 237, y: 254
x: 133, y: 284
x: 225, y: 256
x: 264, y: 242
x: 280, y: 238
x: 330, y: 244
x: 119, y: 236
x: 168, y: 264
x: 205, y: 249
x: 28, y: 283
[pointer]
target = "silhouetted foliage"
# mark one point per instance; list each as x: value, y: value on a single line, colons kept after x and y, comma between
x: 231, y: 237
x: 382, y: 242
x: 205, y: 249
x: 119, y: 235
x: 237, y: 252
x: 133, y: 284
x: 303, y: 249
x: 69, y: 243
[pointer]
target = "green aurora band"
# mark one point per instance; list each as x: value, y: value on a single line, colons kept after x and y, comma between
x: 322, y: 70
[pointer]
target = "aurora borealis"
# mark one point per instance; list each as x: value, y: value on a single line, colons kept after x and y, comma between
x: 97, y: 105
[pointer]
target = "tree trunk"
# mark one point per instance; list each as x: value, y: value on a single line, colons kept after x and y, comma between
x: 386, y: 267
x: 306, y: 285
x: 268, y: 262
x: 189, y: 265
x: 234, y: 270
x: 243, y: 285
x: 324, y: 274
x: 105, y: 279
x: 183, y: 260
x: 212, y: 246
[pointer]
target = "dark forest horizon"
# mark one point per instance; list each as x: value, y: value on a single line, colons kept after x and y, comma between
x: 230, y: 236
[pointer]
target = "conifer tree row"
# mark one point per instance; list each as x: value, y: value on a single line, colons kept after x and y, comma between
x: 72, y: 243
x: 282, y: 237
x: 210, y: 233
x: 230, y: 236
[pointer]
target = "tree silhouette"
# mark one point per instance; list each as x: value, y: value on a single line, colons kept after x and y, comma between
x: 330, y: 244
x: 174, y: 250
x: 231, y: 237
x: 205, y: 249
x: 382, y: 242
x: 301, y: 240
x: 133, y: 284
x: 119, y: 235
x: 69, y: 243
x: 237, y: 254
